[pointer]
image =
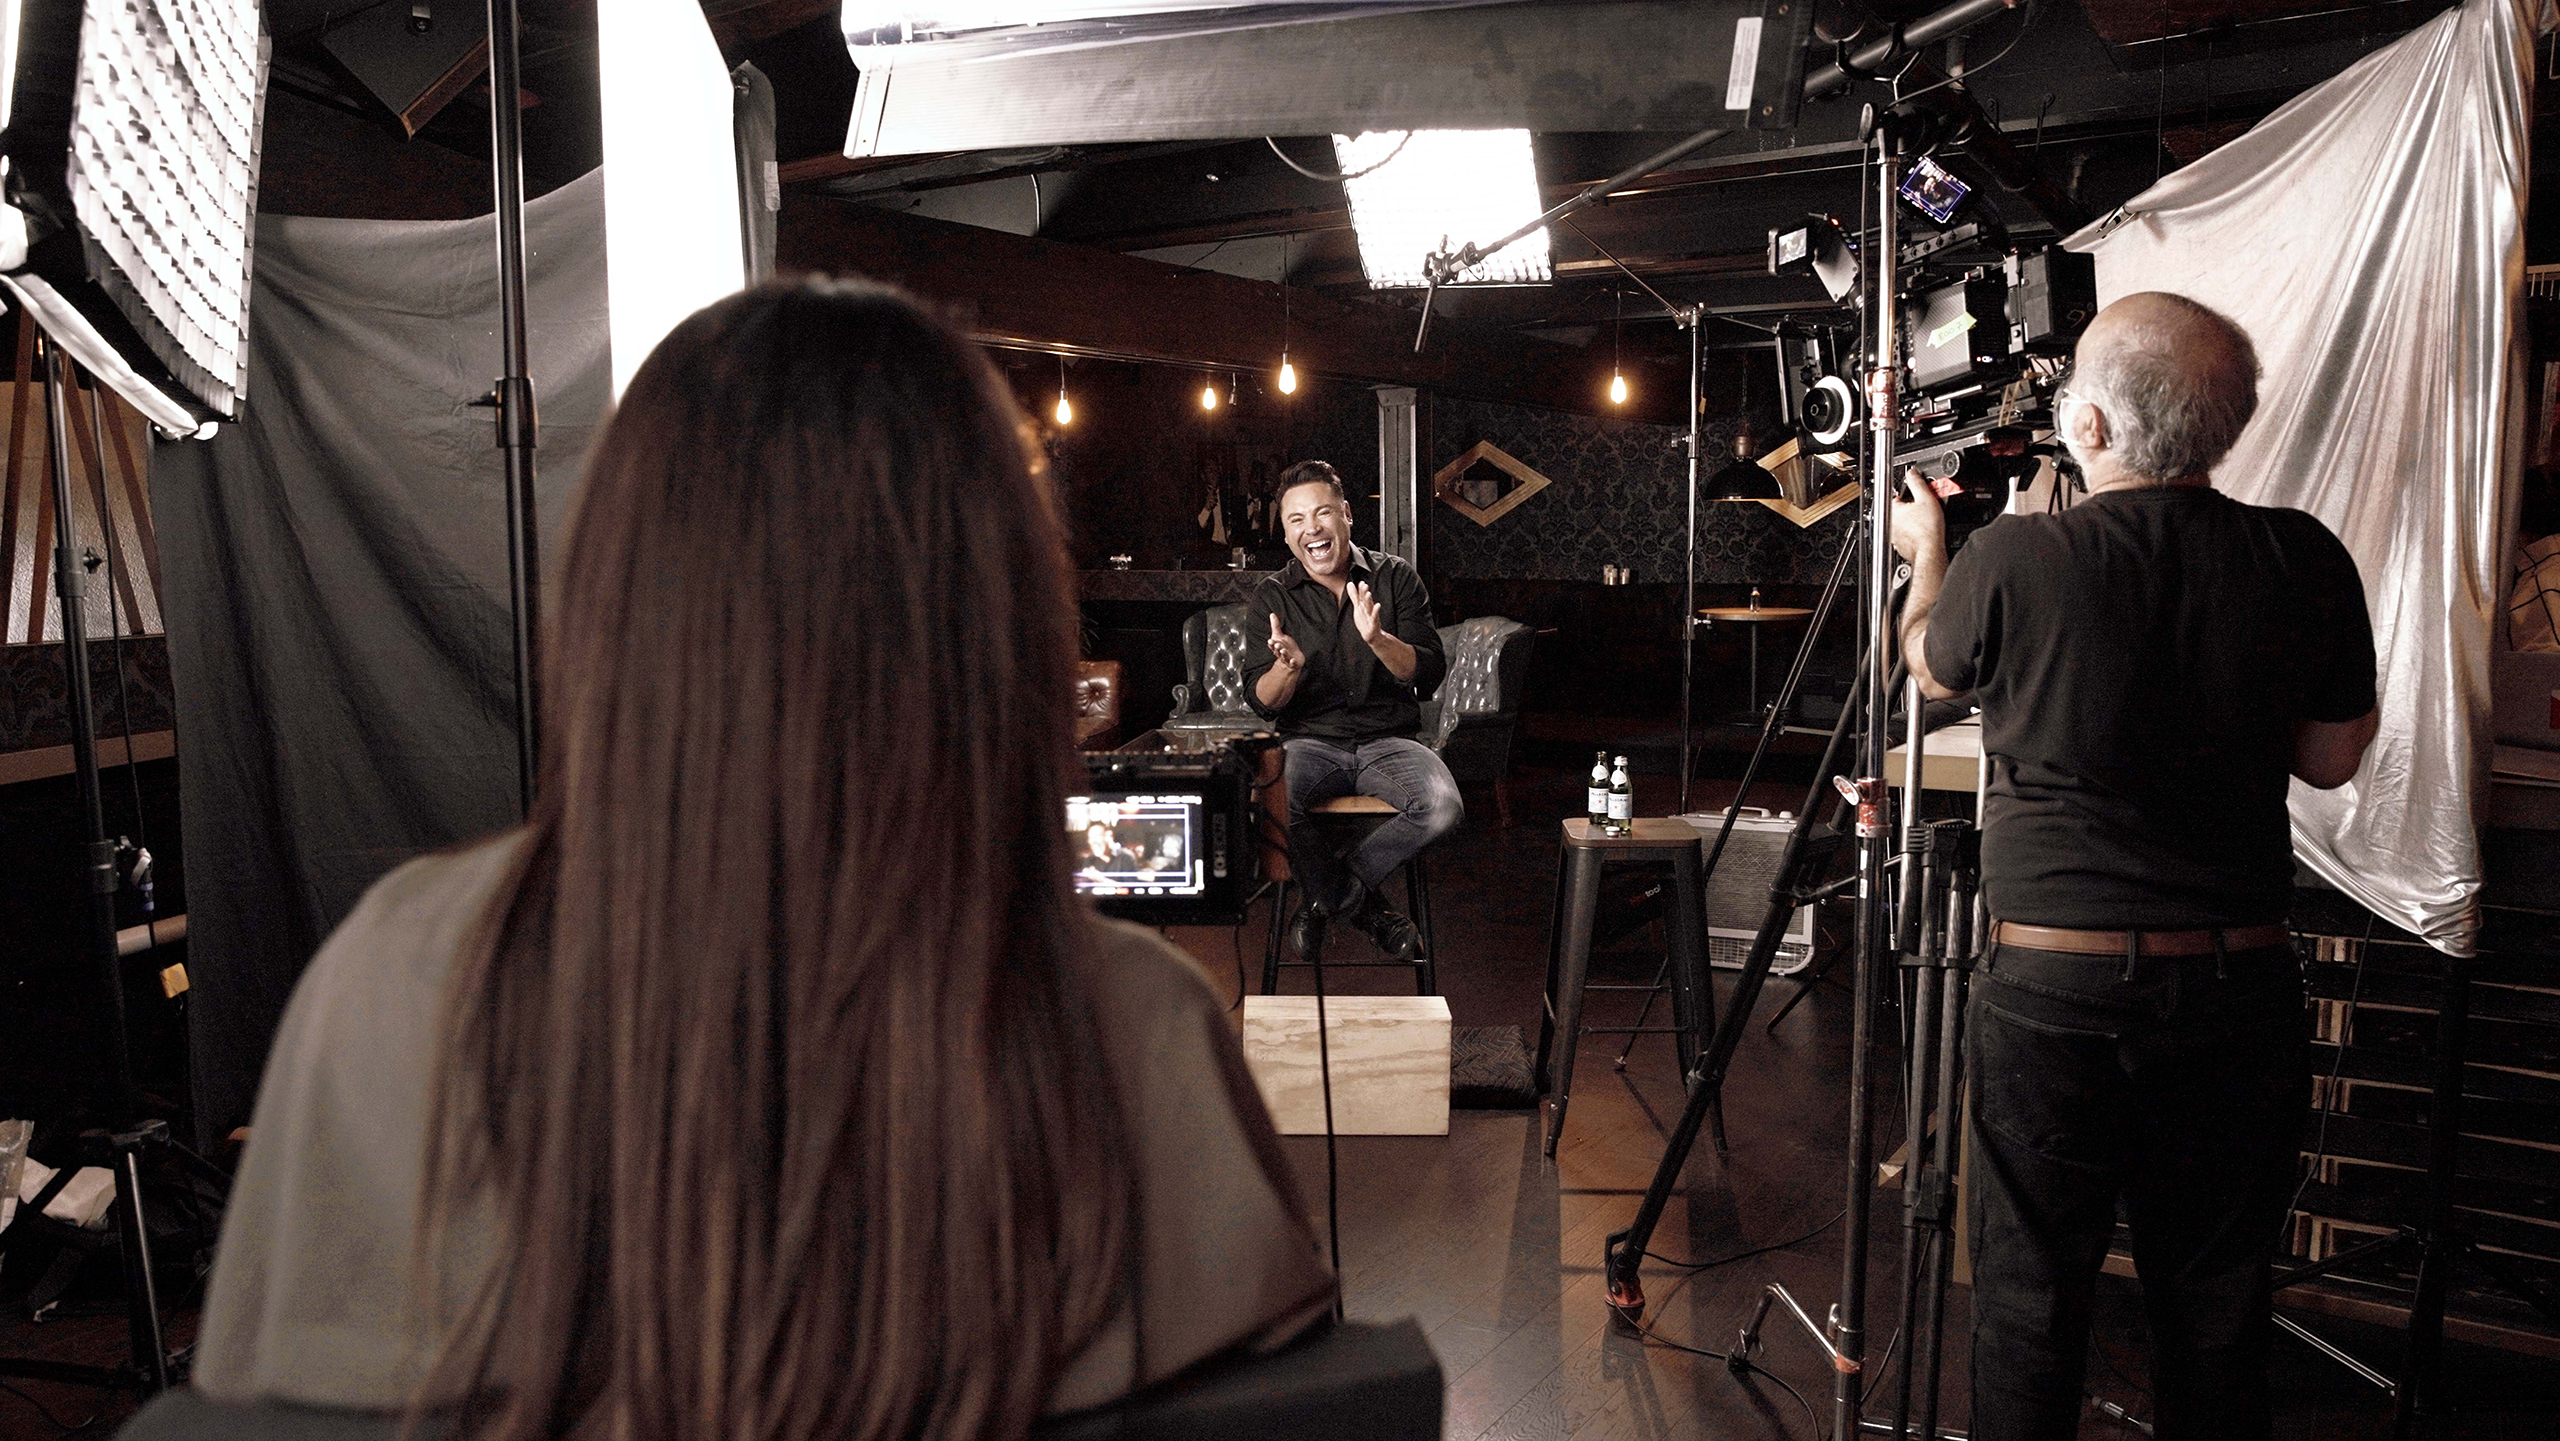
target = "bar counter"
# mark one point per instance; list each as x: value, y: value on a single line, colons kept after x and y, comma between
x: 1214, y: 586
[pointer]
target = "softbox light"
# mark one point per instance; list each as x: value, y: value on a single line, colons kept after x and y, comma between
x: 1419, y: 192
x: 131, y: 188
x: 670, y: 173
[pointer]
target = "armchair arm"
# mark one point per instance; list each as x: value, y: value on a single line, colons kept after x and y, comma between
x: 1182, y: 699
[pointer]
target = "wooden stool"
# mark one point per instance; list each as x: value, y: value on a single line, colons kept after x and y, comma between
x: 1357, y: 815
x: 1587, y: 852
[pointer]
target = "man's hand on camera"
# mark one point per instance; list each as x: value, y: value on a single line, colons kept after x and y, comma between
x: 1919, y: 520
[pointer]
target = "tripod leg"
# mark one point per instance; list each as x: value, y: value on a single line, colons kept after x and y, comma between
x: 142, y: 1299
x: 1625, y: 1249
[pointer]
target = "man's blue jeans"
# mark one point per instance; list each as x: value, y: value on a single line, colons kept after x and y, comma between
x: 1404, y: 773
x: 2179, y: 1084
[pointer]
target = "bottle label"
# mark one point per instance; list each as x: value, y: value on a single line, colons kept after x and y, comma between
x: 1596, y: 801
x: 1622, y: 807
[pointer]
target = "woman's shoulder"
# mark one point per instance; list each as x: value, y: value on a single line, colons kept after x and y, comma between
x: 402, y: 937
x: 1132, y: 969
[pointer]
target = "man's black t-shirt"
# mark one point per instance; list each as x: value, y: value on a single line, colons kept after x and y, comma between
x: 2141, y: 660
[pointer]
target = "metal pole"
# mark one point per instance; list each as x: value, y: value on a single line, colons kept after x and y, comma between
x: 70, y: 584
x: 517, y: 427
x: 1875, y: 836
x: 1689, y: 595
x: 1928, y: 28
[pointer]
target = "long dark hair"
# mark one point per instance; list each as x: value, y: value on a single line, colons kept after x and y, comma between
x: 771, y: 1065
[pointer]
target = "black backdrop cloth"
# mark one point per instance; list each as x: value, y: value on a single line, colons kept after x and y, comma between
x: 336, y: 573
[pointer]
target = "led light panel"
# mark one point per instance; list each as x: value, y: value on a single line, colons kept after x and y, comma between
x: 163, y: 171
x: 1444, y: 189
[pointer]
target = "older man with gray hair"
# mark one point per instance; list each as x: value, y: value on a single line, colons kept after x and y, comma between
x: 2152, y: 664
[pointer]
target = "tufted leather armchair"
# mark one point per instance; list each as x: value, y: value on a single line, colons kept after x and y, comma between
x: 1213, y: 658
x: 1473, y: 719
x: 1097, y: 704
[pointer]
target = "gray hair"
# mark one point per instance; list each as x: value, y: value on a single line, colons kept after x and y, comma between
x: 2174, y: 406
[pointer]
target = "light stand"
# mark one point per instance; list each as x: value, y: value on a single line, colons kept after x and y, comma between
x: 122, y: 1147
x: 513, y: 393
x: 1843, y: 1339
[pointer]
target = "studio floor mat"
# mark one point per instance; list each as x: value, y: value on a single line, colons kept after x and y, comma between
x: 1489, y: 1070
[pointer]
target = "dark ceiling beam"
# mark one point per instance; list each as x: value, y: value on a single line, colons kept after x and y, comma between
x: 1552, y: 66
x: 1015, y: 291
x: 849, y: 178
x: 739, y: 23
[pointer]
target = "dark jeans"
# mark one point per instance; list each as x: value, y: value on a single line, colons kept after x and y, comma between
x: 2181, y: 1087
x: 1404, y: 773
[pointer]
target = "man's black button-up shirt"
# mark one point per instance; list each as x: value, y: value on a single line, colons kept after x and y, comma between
x: 1347, y: 693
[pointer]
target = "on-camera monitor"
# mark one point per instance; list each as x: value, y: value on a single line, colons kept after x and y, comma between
x: 1138, y: 845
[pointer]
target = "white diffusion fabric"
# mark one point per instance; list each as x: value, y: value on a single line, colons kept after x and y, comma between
x: 2369, y: 235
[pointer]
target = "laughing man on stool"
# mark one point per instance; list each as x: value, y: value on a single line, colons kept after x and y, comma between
x: 1340, y: 653
x: 2151, y: 665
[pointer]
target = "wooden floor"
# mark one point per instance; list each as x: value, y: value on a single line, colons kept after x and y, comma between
x: 1496, y: 1251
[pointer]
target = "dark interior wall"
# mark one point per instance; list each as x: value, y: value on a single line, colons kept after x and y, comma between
x: 1617, y: 495
x: 1137, y: 462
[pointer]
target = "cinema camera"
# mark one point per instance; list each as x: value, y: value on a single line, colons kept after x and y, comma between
x: 1988, y: 344
x: 1165, y: 833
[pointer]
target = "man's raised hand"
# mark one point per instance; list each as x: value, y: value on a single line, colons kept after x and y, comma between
x: 1284, y: 650
x: 1364, y: 611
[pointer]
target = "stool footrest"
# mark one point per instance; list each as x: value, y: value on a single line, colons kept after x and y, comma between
x: 1635, y: 1030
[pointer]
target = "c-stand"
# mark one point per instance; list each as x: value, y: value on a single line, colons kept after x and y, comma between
x: 1896, y: 137
x: 123, y: 1146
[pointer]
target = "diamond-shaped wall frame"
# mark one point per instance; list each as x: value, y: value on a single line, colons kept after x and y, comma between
x: 1444, y: 482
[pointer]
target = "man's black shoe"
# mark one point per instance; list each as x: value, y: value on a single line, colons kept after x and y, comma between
x: 1388, y: 927
x: 1306, y: 929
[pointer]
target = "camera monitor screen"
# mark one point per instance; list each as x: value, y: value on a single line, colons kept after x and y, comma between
x: 1138, y: 845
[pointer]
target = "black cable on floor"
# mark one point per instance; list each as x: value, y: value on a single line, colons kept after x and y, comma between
x: 1742, y: 1365
x: 1755, y: 1251
x: 59, y: 1425
x: 1324, y: 1074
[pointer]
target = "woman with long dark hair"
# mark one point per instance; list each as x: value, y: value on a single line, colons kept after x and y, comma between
x: 769, y: 1081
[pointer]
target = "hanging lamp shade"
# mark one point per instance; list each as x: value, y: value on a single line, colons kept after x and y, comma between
x: 1742, y: 478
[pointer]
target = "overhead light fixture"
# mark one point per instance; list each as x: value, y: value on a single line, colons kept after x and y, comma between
x: 1413, y: 193
x: 133, y: 156
x: 1209, y: 395
x: 1288, y: 372
x: 1617, y: 374
x: 1066, y: 412
x: 1743, y: 478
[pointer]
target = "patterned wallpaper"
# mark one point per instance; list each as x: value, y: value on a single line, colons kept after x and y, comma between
x: 1618, y: 496
x: 35, y: 691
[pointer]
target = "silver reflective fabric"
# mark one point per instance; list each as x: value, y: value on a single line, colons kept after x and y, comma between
x: 2369, y: 236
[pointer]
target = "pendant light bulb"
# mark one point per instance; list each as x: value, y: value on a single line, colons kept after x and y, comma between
x: 1288, y: 375
x: 1617, y: 376
x: 1066, y: 412
x: 1209, y: 396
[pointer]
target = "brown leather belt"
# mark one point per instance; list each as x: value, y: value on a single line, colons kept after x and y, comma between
x: 2153, y: 943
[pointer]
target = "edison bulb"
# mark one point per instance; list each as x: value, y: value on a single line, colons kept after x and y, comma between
x: 1209, y: 396
x: 1066, y: 412
x: 1617, y: 390
x: 1288, y: 377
